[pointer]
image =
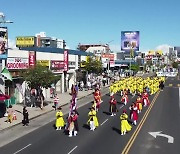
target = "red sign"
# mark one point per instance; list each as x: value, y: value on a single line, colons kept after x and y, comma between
x: 56, y: 64
x: 32, y: 59
x: 65, y: 60
x: 108, y: 56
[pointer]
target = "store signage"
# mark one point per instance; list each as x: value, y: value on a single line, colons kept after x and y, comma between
x: 43, y: 62
x: 108, y: 56
x: 55, y: 64
x: 65, y: 60
x: 32, y: 59
x: 27, y: 41
x: 17, y: 63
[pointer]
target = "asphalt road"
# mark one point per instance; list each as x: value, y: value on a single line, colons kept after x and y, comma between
x: 106, y: 139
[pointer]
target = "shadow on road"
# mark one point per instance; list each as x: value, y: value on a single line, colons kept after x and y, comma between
x: 116, y: 130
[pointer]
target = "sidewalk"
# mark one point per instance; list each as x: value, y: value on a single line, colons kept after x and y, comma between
x: 64, y: 99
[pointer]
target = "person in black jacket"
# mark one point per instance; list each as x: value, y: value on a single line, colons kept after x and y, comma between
x: 25, y: 117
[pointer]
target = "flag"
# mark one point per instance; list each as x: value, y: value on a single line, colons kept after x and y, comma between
x: 6, y: 74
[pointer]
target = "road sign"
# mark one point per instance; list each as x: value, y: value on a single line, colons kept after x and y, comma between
x: 155, y: 134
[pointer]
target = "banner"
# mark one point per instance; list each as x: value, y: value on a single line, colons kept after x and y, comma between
x: 32, y: 59
x: 17, y: 63
x: 27, y: 41
x: 66, y: 60
x: 3, y: 42
x: 43, y: 62
x: 130, y: 41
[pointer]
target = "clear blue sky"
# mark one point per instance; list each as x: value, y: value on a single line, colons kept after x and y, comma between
x: 94, y: 21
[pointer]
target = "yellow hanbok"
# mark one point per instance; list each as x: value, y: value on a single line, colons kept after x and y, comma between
x: 59, y: 119
x: 125, y: 126
x: 93, y: 117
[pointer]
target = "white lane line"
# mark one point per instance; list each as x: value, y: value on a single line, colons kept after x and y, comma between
x: 104, y: 122
x: 179, y: 98
x: 121, y: 106
x: 72, y: 149
x: 133, y: 96
x: 22, y: 149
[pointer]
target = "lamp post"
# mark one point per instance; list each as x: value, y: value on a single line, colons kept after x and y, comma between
x: 131, y: 56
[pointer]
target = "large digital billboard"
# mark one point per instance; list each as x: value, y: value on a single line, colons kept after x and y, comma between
x: 3, y: 42
x: 130, y: 40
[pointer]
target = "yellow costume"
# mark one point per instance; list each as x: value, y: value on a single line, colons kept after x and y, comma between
x: 125, y: 126
x: 93, y: 117
x: 59, y: 119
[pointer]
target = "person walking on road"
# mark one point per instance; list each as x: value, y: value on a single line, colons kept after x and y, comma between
x: 125, y: 126
x: 73, y: 124
x: 25, y: 117
x: 59, y: 119
x: 124, y: 99
x: 93, y: 120
x: 133, y: 114
x: 112, y: 107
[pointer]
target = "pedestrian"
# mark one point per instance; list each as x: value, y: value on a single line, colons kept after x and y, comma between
x: 161, y: 85
x: 145, y: 98
x: 124, y: 99
x: 25, y: 120
x: 33, y: 97
x: 56, y: 101
x: 93, y: 120
x: 112, y: 108
x: 125, y: 126
x: 10, y: 113
x: 139, y: 103
x: 59, y: 119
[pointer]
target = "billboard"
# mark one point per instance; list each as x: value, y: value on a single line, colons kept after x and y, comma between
x: 25, y: 41
x: 130, y: 40
x: 17, y: 63
x: 3, y: 42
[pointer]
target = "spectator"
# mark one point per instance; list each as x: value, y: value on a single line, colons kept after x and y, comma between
x: 56, y: 101
x: 10, y: 114
x: 76, y: 89
x: 25, y: 117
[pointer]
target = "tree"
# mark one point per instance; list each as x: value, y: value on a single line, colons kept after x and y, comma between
x: 135, y: 68
x: 39, y: 77
x: 93, y: 66
x: 175, y: 64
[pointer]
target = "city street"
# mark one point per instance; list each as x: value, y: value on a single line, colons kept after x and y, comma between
x: 162, y: 115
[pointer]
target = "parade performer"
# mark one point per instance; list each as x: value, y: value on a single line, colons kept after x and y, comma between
x: 97, y: 98
x: 73, y: 124
x: 139, y: 102
x: 93, y: 120
x: 145, y: 98
x: 124, y: 99
x: 125, y: 126
x: 112, y: 108
x: 133, y: 113
x: 59, y: 119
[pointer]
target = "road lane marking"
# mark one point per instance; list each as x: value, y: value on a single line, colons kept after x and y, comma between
x: 72, y: 149
x: 136, y: 132
x: 178, y: 85
x: 22, y: 149
x: 104, y: 122
x: 179, y: 98
x: 170, y: 85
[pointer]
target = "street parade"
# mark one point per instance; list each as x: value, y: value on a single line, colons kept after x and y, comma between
x: 142, y: 88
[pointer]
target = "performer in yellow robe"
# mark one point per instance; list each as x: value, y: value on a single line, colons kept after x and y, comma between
x: 59, y: 119
x: 125, y: 126
x: 93, y: 120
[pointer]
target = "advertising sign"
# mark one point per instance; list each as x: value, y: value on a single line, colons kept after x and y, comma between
x: 32, y: 59
x: 57, y: 66
x: 43, y: 62
x: 27, y: 41
x: 130, y: 40
x: 3, y: 42
x: 17, y: 63
x: 108, y: 56
x: 66, y: 60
